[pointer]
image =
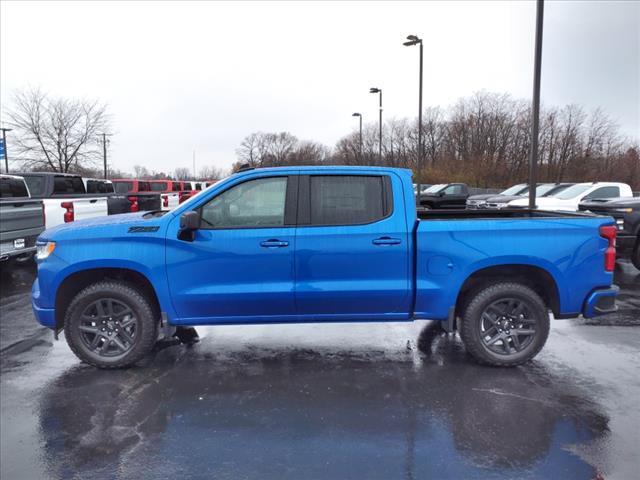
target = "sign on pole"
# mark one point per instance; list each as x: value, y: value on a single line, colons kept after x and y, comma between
x: 1, y: 148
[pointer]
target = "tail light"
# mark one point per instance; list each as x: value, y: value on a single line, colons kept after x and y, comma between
x: 183, y: 197
x: 69, y: 215
x: 165, y: 200
x: 134, y: 204
x: 609, y: 232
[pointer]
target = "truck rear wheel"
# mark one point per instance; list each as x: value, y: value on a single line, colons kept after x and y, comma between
x: 505, y: 324
x: 110, y: 325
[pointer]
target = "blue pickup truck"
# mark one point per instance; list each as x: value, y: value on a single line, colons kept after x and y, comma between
x: 321, y: 244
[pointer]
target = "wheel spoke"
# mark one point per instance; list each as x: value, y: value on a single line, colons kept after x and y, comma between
x: 494, y: 339
x: 519, y: 309
x: 100, y: 309
x: 95, y: 341
x: 89, y: 329
x: 489, y: 331
x: 119, y: 343
x: 516, y: 343
x: 127, y: 321
x: 522, y: 331
x: 125, y: 336
x: 505, y: 345
x: 486, y: 316
x: 124, y: 312
x: 109, y: 307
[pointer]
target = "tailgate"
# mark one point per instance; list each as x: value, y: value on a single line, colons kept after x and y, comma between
x: 20, y: 216
x: 90, y: 207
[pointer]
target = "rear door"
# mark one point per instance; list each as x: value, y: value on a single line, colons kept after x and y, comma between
x: 352, y: 248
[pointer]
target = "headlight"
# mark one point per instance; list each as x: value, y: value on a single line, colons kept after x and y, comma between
x: 502, y: 205
x: 623, y: 210
x: 43, y: 250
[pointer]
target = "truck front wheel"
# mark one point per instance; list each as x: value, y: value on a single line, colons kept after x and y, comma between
x: 110, y: 325
x: 505, y: 324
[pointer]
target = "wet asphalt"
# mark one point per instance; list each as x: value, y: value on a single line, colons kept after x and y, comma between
x: 356, y: 401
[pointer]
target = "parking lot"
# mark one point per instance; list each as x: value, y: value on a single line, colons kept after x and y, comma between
x: 323, y: 401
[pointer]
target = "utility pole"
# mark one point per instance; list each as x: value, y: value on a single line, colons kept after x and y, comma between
x: 4, y: 147
x: 535, y: 107
x: 104, y: 151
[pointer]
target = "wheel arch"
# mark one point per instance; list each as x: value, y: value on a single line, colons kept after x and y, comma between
x: 537, y: 278
x: 78, y: 280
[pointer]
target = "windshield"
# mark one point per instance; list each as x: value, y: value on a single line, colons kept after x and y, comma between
x: 572, y: 192
x: 555, y: 190
x: 542, y: 189
x: 435, y: 188
x: 515, y: 190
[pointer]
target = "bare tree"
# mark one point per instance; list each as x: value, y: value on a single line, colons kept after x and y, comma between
x: 210, y: 173
x: 141, y: 172
x: 182, y: 173
x: 57, y: 134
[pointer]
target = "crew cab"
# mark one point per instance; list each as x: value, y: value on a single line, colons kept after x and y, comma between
x: 65, y: 197
x: 626, y: 212
x: 21, y: 219
x: 445, y: 196
x: 569, y: 198
x: 133, y: 195
x: 321, y: 244
x: 172, y: 191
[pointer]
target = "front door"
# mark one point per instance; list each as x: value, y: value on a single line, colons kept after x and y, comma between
x: 352, y: 249
x: 239, y: 265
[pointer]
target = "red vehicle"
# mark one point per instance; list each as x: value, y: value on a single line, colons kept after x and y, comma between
x: 133, y: 195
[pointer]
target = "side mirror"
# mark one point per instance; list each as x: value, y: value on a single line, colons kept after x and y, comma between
x: 189, y: 221
x: 441, y: 194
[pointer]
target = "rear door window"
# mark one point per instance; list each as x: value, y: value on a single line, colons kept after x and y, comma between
x: 347, y: 199
x: 36, y: 185
x: 159, y: 186
x: 68, y: 185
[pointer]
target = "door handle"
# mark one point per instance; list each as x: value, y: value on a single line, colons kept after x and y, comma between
x: 387, y: 241
x: 274, y: 243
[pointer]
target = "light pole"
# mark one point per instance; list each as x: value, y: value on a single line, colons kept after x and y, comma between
x: 4, y: 145
x: 535, y: 107
x: 360, y: 116
x: 414, y: 40
x: 379, y: 91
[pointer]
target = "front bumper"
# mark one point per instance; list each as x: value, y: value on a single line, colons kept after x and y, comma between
x: 44, y: 316
x: 601, y: 301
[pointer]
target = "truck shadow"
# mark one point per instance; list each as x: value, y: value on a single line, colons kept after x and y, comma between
x: 256, y: 412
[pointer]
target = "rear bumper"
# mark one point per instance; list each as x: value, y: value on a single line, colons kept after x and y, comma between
x: 601, y: 301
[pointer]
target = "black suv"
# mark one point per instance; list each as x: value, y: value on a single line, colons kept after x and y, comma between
x: 626, y: 212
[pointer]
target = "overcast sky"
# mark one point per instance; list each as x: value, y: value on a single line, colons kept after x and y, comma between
x: 184, y: 76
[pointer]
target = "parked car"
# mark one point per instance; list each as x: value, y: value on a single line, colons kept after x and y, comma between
x: 423, y: 187
x: 542, y: 190
x: 569, y: 199
x: 98, y: 185
x: 445, y: 196
x: 21, y: 219
x: 134, y: 195
x: 171, y: 191
x: 478, y: 201
x: 626, y: 212
x: 321, y: 244
x: 65, y: 197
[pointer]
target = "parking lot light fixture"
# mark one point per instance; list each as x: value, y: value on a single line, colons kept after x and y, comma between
x: 379, y: 91
x: 360, y: 116
x: 4, y: 145
x: 411, y: 41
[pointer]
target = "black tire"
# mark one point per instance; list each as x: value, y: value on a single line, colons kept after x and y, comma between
x: 125, y: 316
x: 522, y: 330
